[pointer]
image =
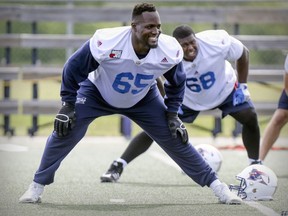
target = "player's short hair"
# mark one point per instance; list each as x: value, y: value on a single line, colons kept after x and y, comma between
x: 141, y: 8
x: 182, y: 31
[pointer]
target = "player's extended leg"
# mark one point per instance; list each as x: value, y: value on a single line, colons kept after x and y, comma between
x: 250, y: 131
x: 272, y: 131
x: 57, y: 148
x: 137, y: 146
x: 153, y: 120
x: 186, y: 156
x: 87, y: 108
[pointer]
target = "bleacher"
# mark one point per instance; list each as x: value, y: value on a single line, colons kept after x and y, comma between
x: 20, y: 11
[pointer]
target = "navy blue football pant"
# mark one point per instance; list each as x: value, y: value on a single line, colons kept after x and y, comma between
x: 149, y: 114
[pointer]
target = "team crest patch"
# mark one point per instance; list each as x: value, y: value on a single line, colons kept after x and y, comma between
x: 116, y: 54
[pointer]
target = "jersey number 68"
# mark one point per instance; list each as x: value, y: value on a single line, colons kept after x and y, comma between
x: 205, y: 81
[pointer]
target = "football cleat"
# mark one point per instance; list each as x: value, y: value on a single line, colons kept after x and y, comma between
x: 114, y: 172
x: 226, y: 196
x: 33, y: 194
x: 256, y: 162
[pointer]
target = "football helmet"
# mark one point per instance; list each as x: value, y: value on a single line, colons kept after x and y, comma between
x: 211, y: 155
x: 257, y: 182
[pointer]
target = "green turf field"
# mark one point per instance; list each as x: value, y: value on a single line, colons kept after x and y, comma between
x: 151, y: 185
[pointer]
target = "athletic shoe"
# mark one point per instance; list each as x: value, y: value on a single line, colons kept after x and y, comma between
x: 256, y: 162
x: 33, y: 194
x: 225, y: 195
x: 114, y: 172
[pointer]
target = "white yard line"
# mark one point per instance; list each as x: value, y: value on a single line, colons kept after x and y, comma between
x: 117, y: 200
x: 263, y: 209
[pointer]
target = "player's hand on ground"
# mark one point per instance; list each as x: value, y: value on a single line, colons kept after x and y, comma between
x: 65, y: 119
x: 177, y: 127
x: 241, y: 94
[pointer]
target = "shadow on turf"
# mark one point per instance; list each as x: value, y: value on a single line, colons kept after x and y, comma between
x: 146, y: 184
x: 114, y: 207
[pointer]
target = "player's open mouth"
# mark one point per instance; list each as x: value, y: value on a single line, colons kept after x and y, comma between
x: 193, y: 52
x: 153, y: 39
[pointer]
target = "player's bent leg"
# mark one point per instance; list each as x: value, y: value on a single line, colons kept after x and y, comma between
x: 138, y: 145
x: 250, y: 132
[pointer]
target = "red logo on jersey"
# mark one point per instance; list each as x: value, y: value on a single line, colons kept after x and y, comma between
x: 164, y: 59
x: 115, y: 54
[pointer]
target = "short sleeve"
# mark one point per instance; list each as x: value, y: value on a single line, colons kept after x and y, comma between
x: 235, y: 50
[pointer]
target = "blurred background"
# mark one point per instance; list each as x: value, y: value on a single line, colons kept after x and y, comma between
x: 37, y: 37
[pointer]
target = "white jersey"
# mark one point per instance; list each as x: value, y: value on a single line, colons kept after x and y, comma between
x: 122, y: 78
x: 210, y: 77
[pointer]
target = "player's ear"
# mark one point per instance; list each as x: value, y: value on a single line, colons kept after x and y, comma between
x: 133, y: 25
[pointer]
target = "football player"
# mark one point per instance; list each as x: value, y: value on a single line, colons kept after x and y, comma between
x: 211, y: 83
x: 114, y: 73
x: 278, y: 120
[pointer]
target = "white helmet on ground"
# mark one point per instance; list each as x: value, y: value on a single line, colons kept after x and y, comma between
x: 211, y: 155
x: 257, y: 182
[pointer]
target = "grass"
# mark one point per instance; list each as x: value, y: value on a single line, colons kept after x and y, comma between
x: 148, y: 186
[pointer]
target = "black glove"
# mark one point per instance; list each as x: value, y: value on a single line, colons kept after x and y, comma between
x: 65, y: 119
x: 177, y: 126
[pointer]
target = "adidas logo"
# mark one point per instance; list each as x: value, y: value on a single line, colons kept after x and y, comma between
x: 99, y: 43
x: 164, y: 60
